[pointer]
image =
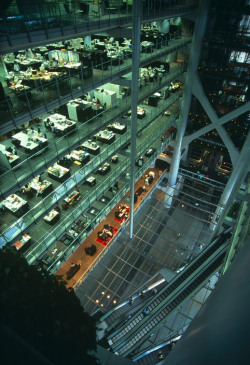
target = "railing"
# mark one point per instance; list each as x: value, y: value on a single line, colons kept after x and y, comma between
x: 124, y: 225
x: 32, y: 103
x: 21, y: 21
x: 80, y: 238
x: 60, y: 146
x: 57, y: 195
x: 171, y: 296
x: 207, y: 180
x: 57, y: 232
x: 84, y: 204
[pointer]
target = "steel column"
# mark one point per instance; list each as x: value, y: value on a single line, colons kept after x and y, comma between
x: 200, y: 26
x: 136, y: 34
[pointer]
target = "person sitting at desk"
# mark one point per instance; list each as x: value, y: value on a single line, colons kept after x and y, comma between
x: 94, y: 100
x: 27, y: 190
x: 108, y: 228
x: 16, y: 67
x: 11, y: 149
x: 119, y: 52
x: 107, y: 232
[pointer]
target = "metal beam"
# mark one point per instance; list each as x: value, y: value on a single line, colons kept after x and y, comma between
x: 136, y: 33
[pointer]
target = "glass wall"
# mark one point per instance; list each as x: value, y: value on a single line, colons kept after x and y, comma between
x: 33, y: 15
x: 44, y: 91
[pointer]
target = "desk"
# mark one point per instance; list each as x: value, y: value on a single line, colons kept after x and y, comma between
x: 55, y: 118
x: 150, y: 152
x: 35, y: 80
x: 91, y: 147
x: 123, y: 212
x: 19, y: 88
x: 61, y: 124
x: 94, y: 211
x: 91, y: 181
x: 147, y: 47
x: 16, y: 205
x: 72, y: 271
x: 22, y: 242
x: 114, y: 159
x: 104, y: 169
x: 41, y: 188
x: 118, y: 128
x: 79, y: 226
x: 27, y: 62
x: 105, y: 136
x: 73, y: 198
x: 32, y: 141
x: 58, y: 173
x: 104, y: 199
x: 141, y: 113
x: 73, y: 65
x: 52, y: 217
x: 105, y: 233
x: 80, y: 156
x: 7, y: 159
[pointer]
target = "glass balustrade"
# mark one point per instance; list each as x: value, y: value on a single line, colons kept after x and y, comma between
x: 122, y: 191
x: 61, y: 89
x: 56, y: 196
x: 61, y: 145
x: 74, y: 16
x: 81, y: 207
x: 75, y: 180
x: 82, y: 236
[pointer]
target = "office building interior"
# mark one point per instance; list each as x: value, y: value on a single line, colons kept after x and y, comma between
x: 124, y: 160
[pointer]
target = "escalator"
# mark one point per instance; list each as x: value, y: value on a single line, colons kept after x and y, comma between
x: 126, y: 333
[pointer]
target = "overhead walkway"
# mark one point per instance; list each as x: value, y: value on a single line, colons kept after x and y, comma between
x: 132, y: 329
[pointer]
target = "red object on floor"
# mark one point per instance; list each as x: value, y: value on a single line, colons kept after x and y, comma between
x: 118, y: 220
x: 114, y: 230
x: 104, y: 243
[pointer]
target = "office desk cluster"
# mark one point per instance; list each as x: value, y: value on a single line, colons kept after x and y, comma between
x: 58, y: 173
x: 60, y: 123
x: 30, y: 140
x: 16, y: 205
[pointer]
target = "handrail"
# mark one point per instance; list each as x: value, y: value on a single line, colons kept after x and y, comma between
x: 84, y: 133
x: 52, y: 199
x: 50, y: 17
x: 206, y: 180
x: 200, y: 279
x: 166, y: 302
x: 86, y: 85
x: 141, y: 148
x: 125, y: 224
x: 183, y: 283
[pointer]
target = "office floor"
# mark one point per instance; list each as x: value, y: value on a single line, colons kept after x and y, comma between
x: 41, y: 230
x: 79, y: 256
x: 50, y: 91
x: 58, y: 144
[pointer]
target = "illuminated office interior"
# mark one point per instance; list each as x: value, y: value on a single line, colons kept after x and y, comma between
x: 124, y: 149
